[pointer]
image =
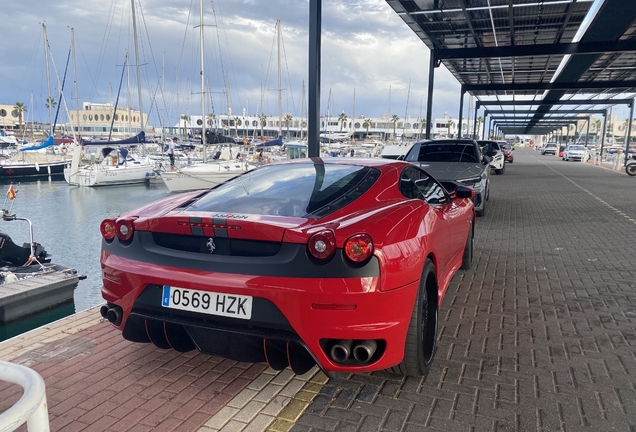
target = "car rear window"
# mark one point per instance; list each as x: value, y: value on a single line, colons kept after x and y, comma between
x: 491, y: 144
x: 443, y: 152
x: 577, y: 147
x: 295, y: 190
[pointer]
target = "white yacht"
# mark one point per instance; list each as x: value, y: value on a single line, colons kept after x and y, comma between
x: 110, y: 167
x: 204, y: 175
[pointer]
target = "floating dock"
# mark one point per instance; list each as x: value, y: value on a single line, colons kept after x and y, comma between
x: 36, y: 293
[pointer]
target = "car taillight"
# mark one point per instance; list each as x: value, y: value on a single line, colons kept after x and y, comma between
x: 359, y: 248
x: 108, y: 229
x: 322, y: 245
x: 125, y: 229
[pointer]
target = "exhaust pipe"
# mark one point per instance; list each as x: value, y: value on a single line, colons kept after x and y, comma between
x: 341, y: 351
x: 363, y: 351
x: 112, y: 313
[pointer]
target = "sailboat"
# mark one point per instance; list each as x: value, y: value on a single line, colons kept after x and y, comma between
x: 113, y: 164
x: 208, y: 173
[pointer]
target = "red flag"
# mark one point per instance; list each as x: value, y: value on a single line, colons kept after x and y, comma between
x: 11, y: 193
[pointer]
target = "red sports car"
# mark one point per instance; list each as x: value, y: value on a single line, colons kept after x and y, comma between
x: 507, y: 151
x: 339, y: 262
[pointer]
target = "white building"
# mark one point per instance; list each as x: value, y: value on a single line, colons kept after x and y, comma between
x: 96, y: 119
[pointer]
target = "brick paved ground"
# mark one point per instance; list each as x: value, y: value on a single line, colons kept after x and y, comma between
x: 539, y: 335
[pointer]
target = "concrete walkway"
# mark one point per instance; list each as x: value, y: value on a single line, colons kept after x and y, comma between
x: 538, y: 336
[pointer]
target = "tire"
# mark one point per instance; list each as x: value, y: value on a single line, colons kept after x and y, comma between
x: 469, y: 249
x: 501, y: 171
x: 421, y: 337
x: 482, y: 212
x: 630, y: 169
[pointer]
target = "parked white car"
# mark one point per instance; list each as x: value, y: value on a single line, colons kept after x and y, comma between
x: 574, y: 152
x: 497, y: 162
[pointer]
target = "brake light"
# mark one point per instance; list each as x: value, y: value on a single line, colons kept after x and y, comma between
x: 108, y: 229
x: 322, y: 245
x: 359, y: 248
x: 125, y: 229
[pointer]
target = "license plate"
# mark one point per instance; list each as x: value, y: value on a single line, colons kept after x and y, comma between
x: 228, y: 305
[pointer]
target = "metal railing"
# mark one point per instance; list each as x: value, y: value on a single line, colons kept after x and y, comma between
x: 31, y: 408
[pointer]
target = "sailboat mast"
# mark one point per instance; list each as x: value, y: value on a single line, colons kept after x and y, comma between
x: 302, y: 112
x: 353, y: 117
x: 75, y: 82
x: 280, y: 94
x: 141, y: 108
x: 203, y: 119
x: 48, y: 80
x: 406, y: 113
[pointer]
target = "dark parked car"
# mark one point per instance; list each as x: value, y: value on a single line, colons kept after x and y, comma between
x: 341, y: 262
x: 456, y: 162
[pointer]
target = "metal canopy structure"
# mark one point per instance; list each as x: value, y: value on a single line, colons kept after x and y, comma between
x: 541, y: 54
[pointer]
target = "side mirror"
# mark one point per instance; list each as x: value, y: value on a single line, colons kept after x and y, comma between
x: 464, y: 192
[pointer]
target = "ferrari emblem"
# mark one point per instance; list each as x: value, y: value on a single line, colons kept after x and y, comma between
x: 210, y: 244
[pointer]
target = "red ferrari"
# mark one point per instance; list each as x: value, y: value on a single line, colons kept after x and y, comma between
x: 337, y: 262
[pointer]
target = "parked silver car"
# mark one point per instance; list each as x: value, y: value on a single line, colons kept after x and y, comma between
x: 456, y: 162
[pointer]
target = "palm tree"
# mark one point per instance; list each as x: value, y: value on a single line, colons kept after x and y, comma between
x: 342, y: 118
x: 422, y: 126
x: 50, y: 103
x: 449, y: 125
x: 185, y: 119
x: 21, y: 109
x: 288, y: 118
x: 237, y: 123
x: 394, y: 119
x: 211, y: 119
x: 263, y: 119
x: 367, y: 124
x: 480, y: 120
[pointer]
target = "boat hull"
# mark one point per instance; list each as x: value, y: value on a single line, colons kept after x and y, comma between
x: 202, y: 176
x: 95, y: 176
x: 32, y: 170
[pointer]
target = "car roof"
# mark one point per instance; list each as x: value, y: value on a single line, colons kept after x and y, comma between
x: 370, y: 162
x: 448, y: 141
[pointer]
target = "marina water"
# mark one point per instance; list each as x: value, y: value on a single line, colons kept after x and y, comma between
x: 66, y: 222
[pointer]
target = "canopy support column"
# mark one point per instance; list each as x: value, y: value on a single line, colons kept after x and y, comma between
x: 313, y: 112
x: 433, y: 63
x: 603, y: 136
x: 629, y: 130
x: 461, y: 111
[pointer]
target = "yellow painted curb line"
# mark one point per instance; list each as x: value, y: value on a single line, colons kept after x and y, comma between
x: 287, y: 418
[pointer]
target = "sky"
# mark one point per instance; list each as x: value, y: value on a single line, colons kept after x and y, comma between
x: 366, y: 49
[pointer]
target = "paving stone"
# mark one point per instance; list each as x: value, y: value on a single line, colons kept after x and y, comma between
x: 539, y: 335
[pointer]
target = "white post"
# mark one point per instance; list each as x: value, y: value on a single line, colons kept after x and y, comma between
x: 32, y: 407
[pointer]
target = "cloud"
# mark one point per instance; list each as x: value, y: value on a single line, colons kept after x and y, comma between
x: 365, y: 46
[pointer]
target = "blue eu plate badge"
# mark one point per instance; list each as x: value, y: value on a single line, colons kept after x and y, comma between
x: 165, y: 299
